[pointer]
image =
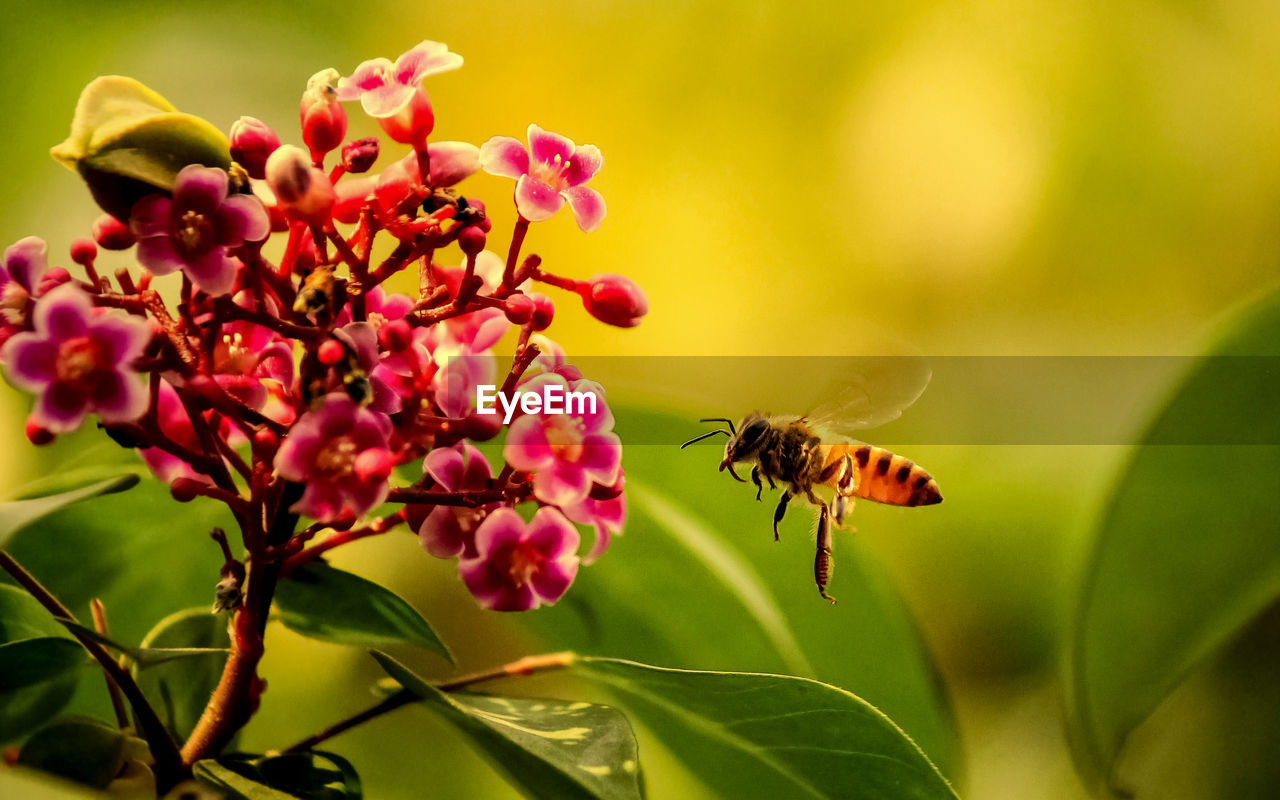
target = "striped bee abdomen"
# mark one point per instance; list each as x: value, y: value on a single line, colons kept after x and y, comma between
x: 889, y: 478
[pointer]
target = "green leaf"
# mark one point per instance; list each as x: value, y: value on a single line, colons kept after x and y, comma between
x: 127, y: 141
x: 329, y: 604
x: 1185, y: 552
x: 82, y: 750
x: 179, y: 689
x: 37, y: 677
x: 545, y: 748
x: 39, y: 664
x: 146, y: 656
x: 30, y: 784
x: 698, y: 556
x: 18, y: 514
x: 295, y: 775
x: 753, y: 735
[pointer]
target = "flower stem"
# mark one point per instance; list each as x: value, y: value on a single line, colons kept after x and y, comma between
x: 524, y: 667
x: 513, y: 255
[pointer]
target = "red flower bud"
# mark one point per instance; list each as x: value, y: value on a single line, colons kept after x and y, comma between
x: 471, y: 240
x: 303, y: 191
x: 112, y: 234
x: 38, y: 435
x: 359, y: 155
x: 413, y: 123
x: 83, y: 251
x: 324, y: 120
x: 330, y: 352
x: 265, y: 441
x: 395, y: 335
x: 543, y: 311
x: 184, y: 490
x: 519, y: 308
x: 351, y: 194
x: 252, y: 141
x: 55, y: 277
x: 614, y: 300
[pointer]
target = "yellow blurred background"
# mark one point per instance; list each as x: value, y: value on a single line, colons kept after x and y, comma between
x: 970, y: 178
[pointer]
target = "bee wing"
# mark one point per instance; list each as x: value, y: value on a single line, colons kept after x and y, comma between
x: 875, y: 391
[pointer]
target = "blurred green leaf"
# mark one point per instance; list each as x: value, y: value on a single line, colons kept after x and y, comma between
x: 18, y: 514
x: 329, y: 604
x: 1185, y: 554
x: 294, y: 775
x: 30, y: 784
x: 546, y: 748
x: 82, y: 750
x: 180, y: 689
x: 754, y: 735
x: 698, y: 556
x: 127, y: 141
x: 145, y: 656
x: 37, y: 677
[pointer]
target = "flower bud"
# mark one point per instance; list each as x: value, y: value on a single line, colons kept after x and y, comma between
x: 395, y: 335
x: 614, y: 300
x: 37, y: 434
x: 265, y: 441
x: 330, y: 352
x: 324, y: 120
x: 413, y: 123
x: 359, y: 155
x: 252, y: 141
x: 52, y: 279
x: 519, y: 308
x: 350, y: 196
x: 184, y: 490
x: 303, y: 191
x: 112, y: 234
x: 471, y: 240
x: 83, y: 251
x: 543, y: 311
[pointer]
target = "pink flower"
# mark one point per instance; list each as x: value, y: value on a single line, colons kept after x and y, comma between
x: 192, y: 230
x: 549, y: 174
x: 566, y: 453
x: 606, y: 516
x: 385, y: 89
x: 339, y: 451
x: 78, y: 362
x: 175, y: 424
x: 519, y: 566
x: 25, y: 263
x: 448, y: 531
x: 393, y: 93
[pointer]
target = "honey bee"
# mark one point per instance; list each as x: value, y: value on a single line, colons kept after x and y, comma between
x: 810, y: 451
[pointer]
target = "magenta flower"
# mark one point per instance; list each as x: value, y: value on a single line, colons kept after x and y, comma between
x: 566, y: 452
x: 549, y: 174
x: 175, y: 424
x: 606, y: 516
x: 385, y: 89
x: 339, y: 451
x: 519, y: 566
x: 192, y: 230
x: 448, y: 531
x: 78, y: 362
x: 25, y: 263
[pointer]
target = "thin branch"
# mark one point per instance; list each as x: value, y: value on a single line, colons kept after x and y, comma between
x: 99, y: 612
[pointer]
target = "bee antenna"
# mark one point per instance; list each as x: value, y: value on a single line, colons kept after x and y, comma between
x: 728, y: 422
x: 704, y: 436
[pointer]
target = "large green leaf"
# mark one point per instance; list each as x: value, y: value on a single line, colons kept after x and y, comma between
x: 39, y: 664
x: 82, y: 750
x: 1186, y: 550
x: 754, y: 735
x: 179, y: 689
x: 16, y: 515
x: 697, y: 581
x: 329, y: 604
x: 547, y: 748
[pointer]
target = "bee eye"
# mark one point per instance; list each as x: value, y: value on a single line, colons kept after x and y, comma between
x: 752, y: 433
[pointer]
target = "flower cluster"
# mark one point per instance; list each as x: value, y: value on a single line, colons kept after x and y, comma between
x: 305, y: 385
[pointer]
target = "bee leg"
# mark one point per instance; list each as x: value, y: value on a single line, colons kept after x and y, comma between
x: 780, y: 512
x: 755, y: 478
x: 822, y: 558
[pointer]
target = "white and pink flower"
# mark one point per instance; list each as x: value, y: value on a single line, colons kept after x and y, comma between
x: 550, y: 173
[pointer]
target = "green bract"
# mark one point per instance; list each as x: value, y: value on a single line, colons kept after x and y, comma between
x: 127, y: 141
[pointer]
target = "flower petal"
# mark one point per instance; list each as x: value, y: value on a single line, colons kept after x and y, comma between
x: 588, y: 207
x: 527, y: 446
x: 500, y: 529
x: 441, y: 535
x: 504, y: 157
x: 368, y: 76
x: 213, y: 273
x: 601, y: 457
x: 61, y: 407
x: 26, y: 261
x: 63, y: 313
x: 535, y: 200
x: 120, y: 398
x: 120, y: 339
x: 583, y: 165
x: 31, y: 362
x: 242, y: 218
x: 150, y: 216
x: 423, y: 59
x: 198, y: 188
x: 447, y: 466
x: 386, y: 100
x: 552, y: 534
x: 561, y: 484
x: 544, y: 146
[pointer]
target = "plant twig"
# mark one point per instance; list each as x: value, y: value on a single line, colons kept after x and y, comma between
x: 99, y: 612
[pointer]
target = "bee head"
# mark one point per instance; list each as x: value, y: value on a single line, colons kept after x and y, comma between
x: 743, y: 442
